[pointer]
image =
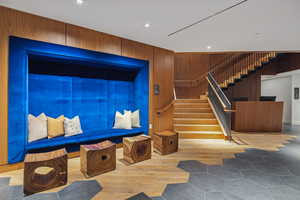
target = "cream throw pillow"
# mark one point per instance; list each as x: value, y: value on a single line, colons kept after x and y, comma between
x: 56, y: 126
x: 37, y: 127
x: 135, y: 118
x: 72, y: 126
x: 122, y: 121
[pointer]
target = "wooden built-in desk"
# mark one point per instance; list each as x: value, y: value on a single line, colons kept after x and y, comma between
x: 257, y: 116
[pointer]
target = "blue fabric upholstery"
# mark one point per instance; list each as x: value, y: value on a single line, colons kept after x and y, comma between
x: 57, y: 80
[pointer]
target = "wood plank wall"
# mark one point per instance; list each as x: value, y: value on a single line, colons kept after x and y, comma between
x: 29, y: 26
x: 189, y: 66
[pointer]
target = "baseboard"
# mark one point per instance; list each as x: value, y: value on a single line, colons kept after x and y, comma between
x: 17, y: 166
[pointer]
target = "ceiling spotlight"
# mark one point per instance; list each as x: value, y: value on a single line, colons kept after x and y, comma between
x: 208, y: 47
x: 147, y: 25
x: 79, y: 2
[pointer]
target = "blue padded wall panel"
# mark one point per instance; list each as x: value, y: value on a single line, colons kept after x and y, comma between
x: 121, y: 96
x: 49, y: 94
x: 90, y: 103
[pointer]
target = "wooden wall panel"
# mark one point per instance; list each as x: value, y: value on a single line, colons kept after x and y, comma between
x: 89, y: 39
x: 29, y: 26
x: 190, y: 66
x: 36, y: 28
x: 164, y: 77
x: 145, y: 52
x: 4, y: 16
x: 247, y: 87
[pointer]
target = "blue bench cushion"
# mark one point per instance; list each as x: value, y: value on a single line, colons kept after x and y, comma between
x: 81, y: 138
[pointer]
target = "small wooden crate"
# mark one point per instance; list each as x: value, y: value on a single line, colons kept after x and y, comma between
x: 98, y: 158
x: 165, y: 142
x: 55, y: 163
x: 137, y: 149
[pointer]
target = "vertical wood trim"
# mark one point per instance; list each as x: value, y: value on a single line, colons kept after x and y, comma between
x: 3, y: 84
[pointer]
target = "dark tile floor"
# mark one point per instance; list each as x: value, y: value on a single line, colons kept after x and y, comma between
x: 253, y: 175
x: 79, y: 190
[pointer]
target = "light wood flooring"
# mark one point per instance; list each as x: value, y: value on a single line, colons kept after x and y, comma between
x: 152, y: 176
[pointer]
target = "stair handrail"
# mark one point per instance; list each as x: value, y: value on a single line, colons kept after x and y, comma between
x: 218, y: 91
x: 221, y: 105
x: 168, y: 106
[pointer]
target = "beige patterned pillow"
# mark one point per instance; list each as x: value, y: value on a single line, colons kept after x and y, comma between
x: 72, y: 126
x: 56, y: 126
x: 122, y: 121
x: 37, y: 127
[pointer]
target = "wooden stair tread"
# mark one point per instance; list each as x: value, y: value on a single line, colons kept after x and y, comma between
x: 200, y: 132
x: 200, y: 125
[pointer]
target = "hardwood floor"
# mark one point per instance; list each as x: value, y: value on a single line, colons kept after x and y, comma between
x: 152, y: 176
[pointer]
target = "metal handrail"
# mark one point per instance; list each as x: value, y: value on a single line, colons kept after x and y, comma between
x: 221, y: 105
x: 220, y: 94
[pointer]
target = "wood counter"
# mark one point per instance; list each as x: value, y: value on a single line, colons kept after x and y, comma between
x: 257, y: 116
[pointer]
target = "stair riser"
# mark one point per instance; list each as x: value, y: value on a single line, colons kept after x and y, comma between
x: 198, y: 105
x: 197, y: 128
x: 190, y: 101
x: 210, y: 122
x: 193, y: 110
x: 194, y: 115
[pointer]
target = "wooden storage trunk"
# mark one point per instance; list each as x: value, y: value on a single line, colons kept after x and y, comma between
x: 98, y: 158
x: 44, y: 171
x: 165, y: 142
x: 137, y: 149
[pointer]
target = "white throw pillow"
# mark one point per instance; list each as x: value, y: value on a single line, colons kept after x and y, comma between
x: 122, y: 121
x: 37, y: 127
x: 72, y: 126
x: 135, y: 118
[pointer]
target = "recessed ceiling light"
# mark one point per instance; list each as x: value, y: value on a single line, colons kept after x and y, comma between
x: 208, y: 47
x: 147, y: 25
x: 79, y: 2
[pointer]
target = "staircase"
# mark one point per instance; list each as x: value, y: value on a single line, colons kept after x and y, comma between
x: 243, y: 67
x: 229, y: 70
x: 194, y: 118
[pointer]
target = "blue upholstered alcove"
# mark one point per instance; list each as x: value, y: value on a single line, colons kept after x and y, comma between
x: 57, y: 80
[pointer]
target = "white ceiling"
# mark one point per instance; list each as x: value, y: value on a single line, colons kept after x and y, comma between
x: 254, y: 25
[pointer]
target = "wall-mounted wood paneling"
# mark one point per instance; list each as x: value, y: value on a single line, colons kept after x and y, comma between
x: 190, y: 66
x: 36, y: 28
x: 248, y: 87
x: 29, y: 26
x: 145, y: 52
x: 164, y: 77
x: 4, y: 16
x: 89, y: 39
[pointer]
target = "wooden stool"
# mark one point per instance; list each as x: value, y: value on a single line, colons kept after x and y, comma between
x: 44, y: 171
x: 165, y: 142
x: 137, y: 149
x: 98, y: 158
